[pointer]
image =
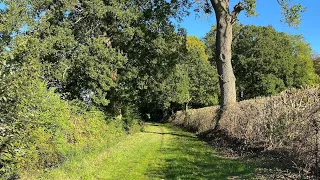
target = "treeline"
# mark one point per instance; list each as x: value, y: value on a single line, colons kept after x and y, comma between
x: 76, y: 73
x: 267, y: 62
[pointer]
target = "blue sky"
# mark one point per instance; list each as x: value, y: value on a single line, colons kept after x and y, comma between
x: 2, y: 6
x: 269, y: 14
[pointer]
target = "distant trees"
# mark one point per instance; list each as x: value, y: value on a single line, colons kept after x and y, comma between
x: 266, y: 62
x: 316, y: 63
x: 203, y: 76
x: 194, y: 81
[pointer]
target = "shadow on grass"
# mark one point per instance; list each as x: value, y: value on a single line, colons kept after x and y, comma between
x: 171, y: 133
x: 186, y: 157
x: 272, y: 164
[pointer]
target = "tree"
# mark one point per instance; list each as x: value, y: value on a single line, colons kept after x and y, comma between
x: 304, y: 72
x: 193, y: 82
x: 224, y: 22
x: 316, y: 62
x: 266, y: 61
x: 111, y: 54
x: 203, y: 77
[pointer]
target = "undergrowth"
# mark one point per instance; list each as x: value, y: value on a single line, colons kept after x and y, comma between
x: 42, y: 131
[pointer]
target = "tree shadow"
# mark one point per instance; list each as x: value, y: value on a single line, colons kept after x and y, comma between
x: 273, y: 164
x: 171, y: 133
x: 188, y: 158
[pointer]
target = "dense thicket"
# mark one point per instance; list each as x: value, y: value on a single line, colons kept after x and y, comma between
x: 113, y: 54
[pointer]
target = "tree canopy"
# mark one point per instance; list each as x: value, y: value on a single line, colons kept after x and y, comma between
x: 194, y: 81
x: 266, y: 61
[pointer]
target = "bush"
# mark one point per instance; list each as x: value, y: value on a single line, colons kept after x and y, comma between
x: 131, y: 120
x: 288, y: 122
x: 45, y: 131
x: 197, y: 120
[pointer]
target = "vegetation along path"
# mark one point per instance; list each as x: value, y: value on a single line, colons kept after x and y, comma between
x: 159, y: 152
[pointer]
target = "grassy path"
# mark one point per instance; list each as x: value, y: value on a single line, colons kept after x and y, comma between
x: 160, y: 152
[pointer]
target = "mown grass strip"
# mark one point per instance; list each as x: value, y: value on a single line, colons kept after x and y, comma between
x: 160, y: 152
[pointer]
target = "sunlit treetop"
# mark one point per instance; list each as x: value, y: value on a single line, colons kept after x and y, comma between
x: 195, y: 45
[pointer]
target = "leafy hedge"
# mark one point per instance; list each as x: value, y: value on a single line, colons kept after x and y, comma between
x: 39, y: 130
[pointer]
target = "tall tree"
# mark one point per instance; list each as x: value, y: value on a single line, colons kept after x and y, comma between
x: 110, y: 53
x: 266, y: 61
x: 225, y: 19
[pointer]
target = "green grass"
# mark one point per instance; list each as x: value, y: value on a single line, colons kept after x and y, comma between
x: 160, y: 152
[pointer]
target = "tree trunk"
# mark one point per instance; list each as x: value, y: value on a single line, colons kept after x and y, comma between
x: 223, y: 52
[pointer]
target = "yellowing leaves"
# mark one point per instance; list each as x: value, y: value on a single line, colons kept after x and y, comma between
x: 196, y: 46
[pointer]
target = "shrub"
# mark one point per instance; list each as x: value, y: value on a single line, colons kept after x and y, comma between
x: 131, y: 120
x: 45, y: 131
x: 197, y: 120
x: 288, y: 122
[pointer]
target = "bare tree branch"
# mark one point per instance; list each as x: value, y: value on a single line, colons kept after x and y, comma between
x: 280, y: 2
x: 236, y: 10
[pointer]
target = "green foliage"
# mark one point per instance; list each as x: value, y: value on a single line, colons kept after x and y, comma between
x: 250, y: 6
x: 195, y: 47
x: 108, y: 59
x: 14, y: 17
x: 266, y: 62
x: 316, y: 63
x: 291, y: 12
x: 304, y: 69
x: 176, y: 87
x: 77, y: 58
x: 17, y: 84
x: 53, y: 131
x: 110, y: 54
x: 39, y: 130
x: 131, y: 120
x: 194, y: 80
x: 203, y: 76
